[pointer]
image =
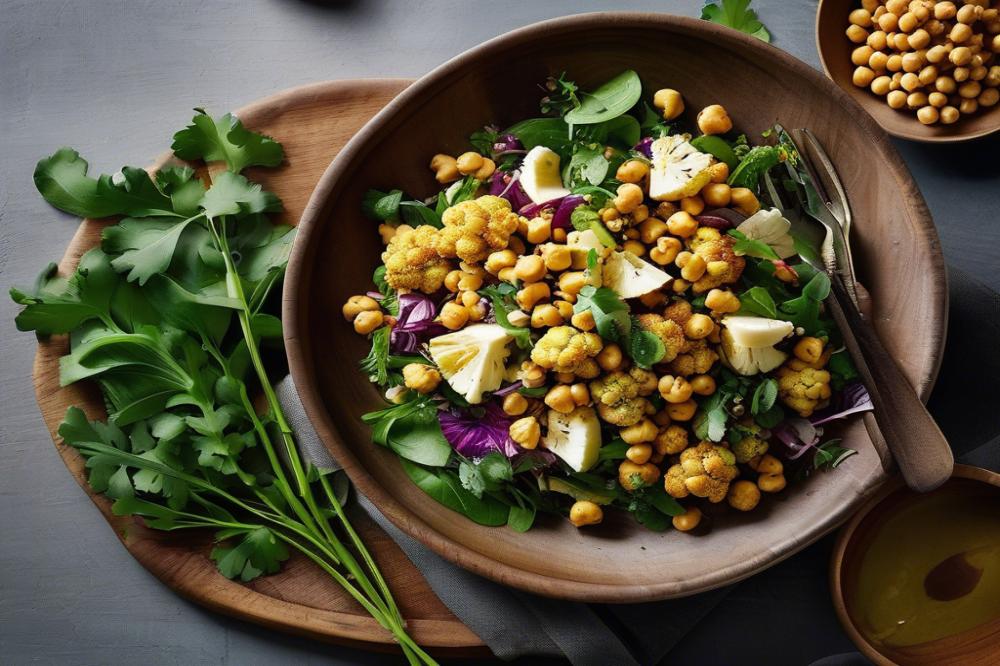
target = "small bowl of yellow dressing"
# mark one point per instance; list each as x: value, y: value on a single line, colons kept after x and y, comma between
x: 915, y: 577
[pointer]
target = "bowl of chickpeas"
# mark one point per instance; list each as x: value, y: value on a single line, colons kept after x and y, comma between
x: 925, y: 70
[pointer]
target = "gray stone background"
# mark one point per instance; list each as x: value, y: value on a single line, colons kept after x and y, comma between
x: 115, y: 80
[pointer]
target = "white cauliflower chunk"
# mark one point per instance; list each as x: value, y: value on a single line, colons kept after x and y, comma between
x: 472, y: 359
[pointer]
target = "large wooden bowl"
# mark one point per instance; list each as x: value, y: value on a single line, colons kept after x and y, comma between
x: 835, y: 54
x: 337, y: 249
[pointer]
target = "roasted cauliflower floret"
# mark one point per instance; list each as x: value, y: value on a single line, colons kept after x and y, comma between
x: 566, y: 349
x: 704, y: 470
x: 679, y: 312
x: 703, y: 235
x: 724, y: 267
x: 668, y: 331
x: 697, y: 360
x: 473, y: 229
x: 671, y: 440
x: 749, y: 448
x: 619, y: 395
x: 803, y: 388
x: 412, y: 262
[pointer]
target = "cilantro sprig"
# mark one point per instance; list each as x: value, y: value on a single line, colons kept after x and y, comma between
x: 736, y: 14
x: 168, y: 317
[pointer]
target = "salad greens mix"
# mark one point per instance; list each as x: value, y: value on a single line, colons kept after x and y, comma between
x: 173, y: 318
x: 598, y: 311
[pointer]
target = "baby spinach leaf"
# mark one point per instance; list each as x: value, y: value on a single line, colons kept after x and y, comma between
x: 608, y: 101
x: 445, y: 487
x: 841, y: 369
x: 418, y: 437
x: 736, y: 14
x: 550, y: 132
x: 752, y: 167
x: 717, y: 147
x: 225, y: 139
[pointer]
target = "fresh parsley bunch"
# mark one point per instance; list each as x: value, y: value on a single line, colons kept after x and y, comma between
x: 169, y: 317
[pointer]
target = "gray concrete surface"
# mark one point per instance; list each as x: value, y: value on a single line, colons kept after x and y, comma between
x: 114, y: 80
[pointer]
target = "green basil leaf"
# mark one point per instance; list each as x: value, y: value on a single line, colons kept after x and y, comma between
x: 388, y: 206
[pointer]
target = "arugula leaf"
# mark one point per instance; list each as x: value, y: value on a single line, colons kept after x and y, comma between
x: 259, y: 551
x: 62, y: 181
x: 608, y: 101
x: 758, y: 301
x: 376, y: 364
x: 804, y: 310
x: 225, y: 139
x: 736, y: 14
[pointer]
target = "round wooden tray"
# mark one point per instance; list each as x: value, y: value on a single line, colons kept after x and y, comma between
x: 312, y: 122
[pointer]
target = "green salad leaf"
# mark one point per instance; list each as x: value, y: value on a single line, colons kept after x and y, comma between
x: 608, y: 101
x: 736, y: 14
x: 225, y: 139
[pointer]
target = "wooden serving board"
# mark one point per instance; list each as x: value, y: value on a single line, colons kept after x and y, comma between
x: 312, y: 122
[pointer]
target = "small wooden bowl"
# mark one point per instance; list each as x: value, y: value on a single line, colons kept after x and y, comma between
x: 336, y: 250
x: 979, y: 646
x: 835, y: 54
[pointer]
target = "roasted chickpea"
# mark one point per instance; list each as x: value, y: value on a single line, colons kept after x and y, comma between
x: 767, y: 464
x: 643, y: 431
x: 445, y: 168
x: 968, y: 14
x: 355, y: 305
x: 545, y: 316
x: 744, y: 200
x: 946, y: 85
x: 944, y: 10
x: 670, y: 102
x: 716, y: 195
x: 556, y: 257
x: 916, y: 100
x: 863, y: 76
x: 989, y: 97
x: 564, y: 308
x: 666, y: 250
x: 877, y: 41
x: 683, y: 411
x: 530, y: 268
x: 970, y: 89
x: 960, y: 32
x: 909, y: 82
x: 515, y: 404
x: 713, y: 119
x: 420, y: 377
x: 694, y: 268
x: 937, y: 100
x: 960, y: 56
x: 585, y: 512
x: 894, y: 63
x: 682, y: 224
x: 688, y: 520
x: 692, y: 205
x: 454, y: 315
x: 703, y: 384
x: 968, y: 106
x: 698, y: 326
x: 937, y: 54
x: 500, y: 259
x: 531, y: 294
x: 856, y: 34
x: 651, y: 229
x: 629, y: 197
x: 808, y: 349
x: 639, y: 453
x: 539, y: 230
x: 584, y: 320
x: 912, y: 62
x: 881, y: 85
x: 888, y: 22
x: 610, y: 357
x: 771, y: 483
x: 469, y: 298
x: 632, y: 171
x: 633, y: 477
x: 928, y: 75
x: 722, y: 301
x: 635, y: 247
x: 743, y: 495
x: 486, y: 170
x: 861, y: 55
x: 720, y: 172
x: 526, y: 432
x: 580, y: 394
x: 560, y: 399
x: 367, y: 321
x: 469, y: 163
x: 571, y: 282
x: 920, y: 39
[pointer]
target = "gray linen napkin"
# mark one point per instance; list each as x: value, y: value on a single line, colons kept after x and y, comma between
x: 515, y: 624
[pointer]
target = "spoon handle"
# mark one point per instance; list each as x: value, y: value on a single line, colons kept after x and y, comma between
x: 915, y: 441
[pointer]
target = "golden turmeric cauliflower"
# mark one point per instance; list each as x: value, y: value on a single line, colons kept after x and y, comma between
x: 679, y: 311
x: 697, y: 360
x: 412, y: 262
x: 748, y: 448
x: 671, y: 440
x: 566, y: 349
x: 668, y: 331
x: 473, y: 229
x: 701, y: 236
x: 803, y: 388
x: 619, y: 395
x: 704, y: 470
x: 717, y: 252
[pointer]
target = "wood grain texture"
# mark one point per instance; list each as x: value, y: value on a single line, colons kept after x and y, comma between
x: 835, y: 55
x: 978, y: 646
x: 312, y: 122
x: 896, y: 249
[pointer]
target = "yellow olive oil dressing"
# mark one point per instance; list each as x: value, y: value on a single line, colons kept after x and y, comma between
x: 932, y: 570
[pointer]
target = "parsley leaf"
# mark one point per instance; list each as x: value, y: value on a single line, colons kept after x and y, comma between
x: 259, y: 551
x: 611, y: 313
x: 224, y: 139
x: 233, y: 194
x: 58, y: 305
x: 145, y: 247
x: 736, y: 14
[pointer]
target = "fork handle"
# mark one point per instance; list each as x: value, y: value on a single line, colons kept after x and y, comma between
x: 914, y: 439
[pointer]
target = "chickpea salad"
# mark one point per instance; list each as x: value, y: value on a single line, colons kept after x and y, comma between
x: 600, y: 311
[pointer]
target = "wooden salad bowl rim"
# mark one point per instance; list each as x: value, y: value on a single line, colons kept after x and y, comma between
x: 902, y: 124
x: 300, y: 354
x: 845, y: 540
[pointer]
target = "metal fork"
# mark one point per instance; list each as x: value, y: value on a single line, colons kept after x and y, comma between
x: 917, y: 444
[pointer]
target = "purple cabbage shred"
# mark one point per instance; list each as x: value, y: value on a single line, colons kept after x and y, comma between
x: 475, y: 437
x: 415, y: 324
x: 645, y: 146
